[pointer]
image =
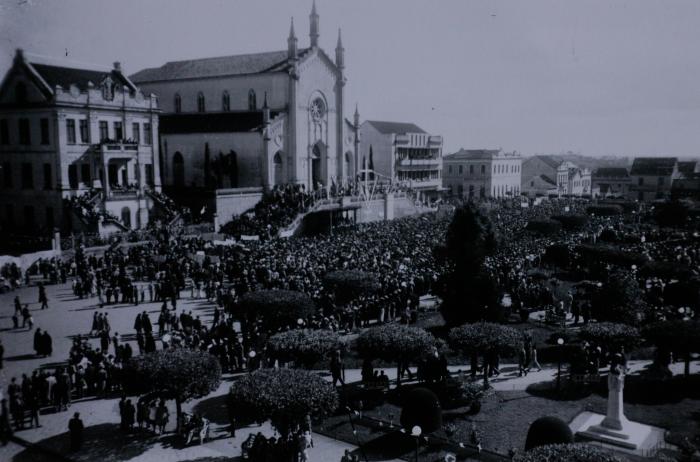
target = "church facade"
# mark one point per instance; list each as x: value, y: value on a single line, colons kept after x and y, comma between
x: 255, y: 120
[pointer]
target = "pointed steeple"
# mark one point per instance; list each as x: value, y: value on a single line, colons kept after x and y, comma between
x: 356, y: 117
x: 266, y: 110
x: 313, y: 25
x: 292, y: 43
x: 340, y: 53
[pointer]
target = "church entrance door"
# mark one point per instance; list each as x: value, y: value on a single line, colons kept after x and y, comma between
x: 317, y: 154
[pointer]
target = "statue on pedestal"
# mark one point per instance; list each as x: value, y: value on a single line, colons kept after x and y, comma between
x: 615, y: 418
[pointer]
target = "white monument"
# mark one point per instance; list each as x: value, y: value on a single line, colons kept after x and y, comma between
x: 614, y: 428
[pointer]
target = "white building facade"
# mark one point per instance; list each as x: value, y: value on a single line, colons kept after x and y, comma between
x: 482, y: 173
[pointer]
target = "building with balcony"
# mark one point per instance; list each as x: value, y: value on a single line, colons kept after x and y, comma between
x: 78, y: 148
x: 651, y: 178
x: 482, y: 173
x: 402, y: 153
x: 610, y: 182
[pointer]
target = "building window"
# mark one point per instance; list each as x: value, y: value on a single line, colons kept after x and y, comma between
x: 73, y: 176
x: 4, y: 132
x: 252, y: 103
x: 10, y: 213
x: 27, y: 176
x: 661, y: 181
x: 47, y: 176
x: 201, y: 106
x: 7, y: 175
x: 147, y: 137
x: 641, y: 182
x: 104, y: 130
x: 21, y: 92
x: 460, y: 190
x: 178, y: 103
x: 136, y: 132
x: 84, y: 131
x: 118, y: 133
x: 49, y: 218
x: 225, y: 102
x: 44, y: 125
x: 85, y: 174
x: 70, y: 131
x: 449, y: 169
x: 25, y: 137
x: 149, y: 175
x: 460, y: 169
x: 29, y: 217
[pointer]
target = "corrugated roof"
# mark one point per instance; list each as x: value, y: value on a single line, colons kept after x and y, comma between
x: 653, y: 166
x: 215, y: 122
x: 67, y: 76
x: 400, y: 128
x: 473, y: 154
x: 611, y: 172
x: 253, y: 63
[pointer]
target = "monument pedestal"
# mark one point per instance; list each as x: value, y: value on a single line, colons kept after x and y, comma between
x: 632, y: 435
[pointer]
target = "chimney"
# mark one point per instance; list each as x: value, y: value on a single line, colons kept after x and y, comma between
x: 117, y: 66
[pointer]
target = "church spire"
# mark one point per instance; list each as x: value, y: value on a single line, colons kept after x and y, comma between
x: 292, y: 42
x: 340, y: 53
x: 313, y: 26
x: 356, y: 117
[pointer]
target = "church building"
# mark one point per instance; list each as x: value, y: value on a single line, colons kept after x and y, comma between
x: 255, y: 120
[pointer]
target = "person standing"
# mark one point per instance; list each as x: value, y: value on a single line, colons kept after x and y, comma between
x: 336, y: 367
x: 162, y: 416
x: 43, y: 299
x: 76, y: 427
x: 47, y: 344
x: 38, y: 339
x: 5, y: 427
x: 533, y: 359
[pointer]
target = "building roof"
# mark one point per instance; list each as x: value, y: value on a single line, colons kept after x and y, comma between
x: 653, y: 166
x: 687, y: 167
x: 611, y: 172
x: 551, y: 161
x: 399, y: 128
x: 216, y: 122
x: 67, y: 76
x: 253, y: 63
x: 473, y: 154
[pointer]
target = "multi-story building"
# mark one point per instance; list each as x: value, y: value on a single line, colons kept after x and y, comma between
x: 652, y: 178
x: 539, y: 175
x: 610, y: 182
x: 69, y: 132
x: 481, y: 173
x: 402, y: 153
x: 572, y: 180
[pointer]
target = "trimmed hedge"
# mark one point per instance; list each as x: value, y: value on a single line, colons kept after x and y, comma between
x: 278, y: 308
x: 611, y: 334
x: 607, y: 254
x: 350, y: 284
x: 548, y: 430
x: 394, y: 342
x: 547, y: 227
x: 604, y: 210
x: 579, y: 452
x: 485, y: 336
x: 574, y: 222
x: 305, y: 347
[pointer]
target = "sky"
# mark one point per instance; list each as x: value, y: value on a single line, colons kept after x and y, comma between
x: 539, y: 76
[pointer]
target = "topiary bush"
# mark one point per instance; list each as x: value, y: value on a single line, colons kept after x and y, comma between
x: 548, y: 430
x: 679, y: 336
x: 277, y: 308
x: 285, y: 396
x: 546, y: 227
x: 579, y: 452
x: 611, y: 335
x: 305, y: 347
x: 573, y: 222
x: 421, y: 407
x: 604, y: 210
x: 350, y: 284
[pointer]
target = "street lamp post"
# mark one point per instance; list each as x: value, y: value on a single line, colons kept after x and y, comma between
x: 560, y: 342
x: 416, y: 432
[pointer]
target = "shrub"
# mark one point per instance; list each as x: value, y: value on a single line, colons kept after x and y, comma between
x: 548, y: 430
x: 285, y: 396
x: 277, y: 308
x: 593, y: 254
x: 394, y: 342
x: 604, y: 210
x: 421, y: 407
x: 350, y: 284
x: 558, y: 255
x: 546, y: 227
x: 611, y: 335
x: 672, y: 215
x: 573, y: 222
x: 305, y: 347
x: 579, y: 452
x: 608, y: 235
x: 620, y: 300
x: 485, y: 336
x: 679, y: 336
x: 176, y: 373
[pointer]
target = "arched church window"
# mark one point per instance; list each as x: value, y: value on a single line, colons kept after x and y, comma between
x: 178, y: 169
x: 178, y: 103
x: 201, y: 106
x: 277, y: 159
x: 252, y: 102
x: 21, y: 92
x: 317, y: 109
x: 225, y: 102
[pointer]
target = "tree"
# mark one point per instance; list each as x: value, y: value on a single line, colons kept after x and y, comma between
x: 176, y: 373
x: 421, y: 407
x: 573, y: 222
x: 277, y: 308
x: 485, y: 339
x: 545, y: 227
x: 675, y: 336
x: 610, y: 335
x: 304, y: 346
x: 394, y: 342
x: 348, y: 285
x: 619, y: 300
x: 577, y: 452
x: 285, y: 396
x: 673, y: 214
x: 467, y: 291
